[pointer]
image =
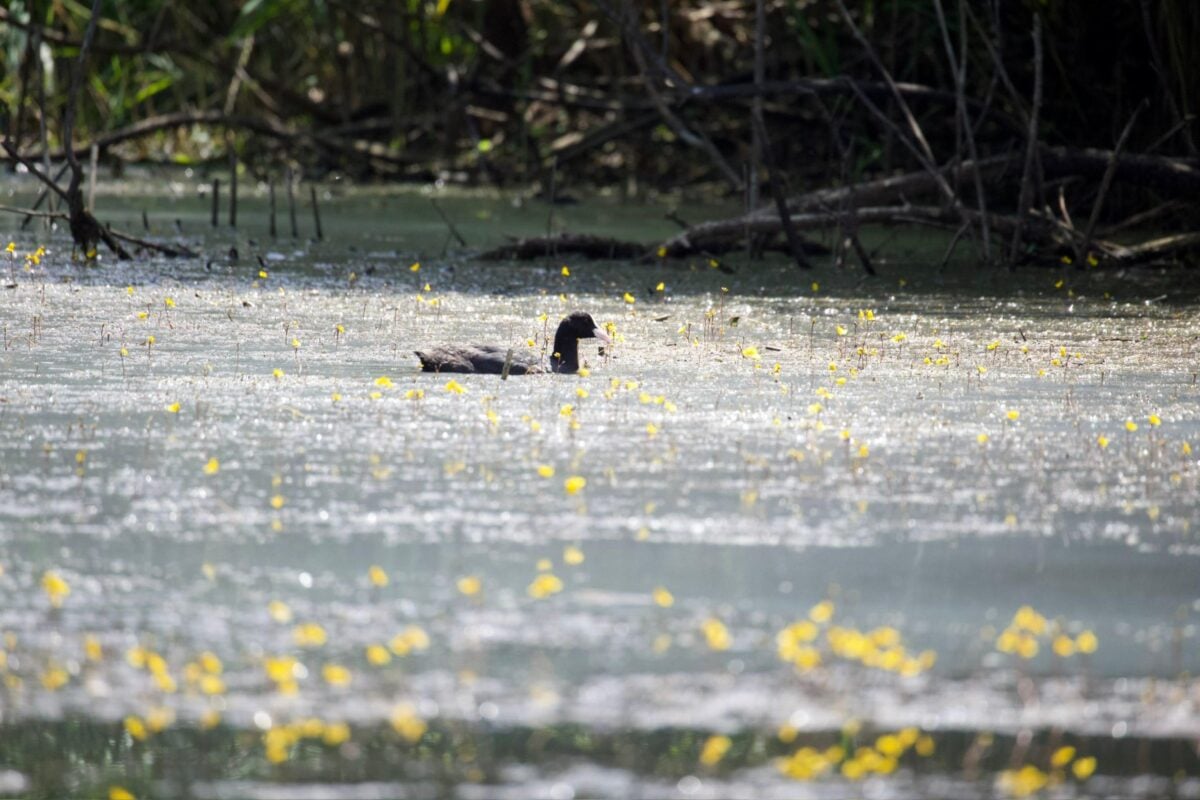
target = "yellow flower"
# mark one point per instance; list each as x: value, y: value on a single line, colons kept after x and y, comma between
x: 378, y: 576
x: 1027, y: 647
x: 55, y: 587
x: 1062, y: 756
x: 262, y: 273
x: 1086, y: 642
x: 1027, y: 618
x: 414, y: 394
x: 210, y: 663
x: 405, y: 722
x: 54, y: 678
x: 384, y: 381
x: 169, y: 302
x: 378, y: 655
x: 822, y: 612
x: 279, y: 611
x: 889, y: 744
x: 566, y: 272
x: 714, y: 750
x: 336, y: 397
x: 309, y: 634
x: 663, y: 598
x: 1130, y: 425
x: 173, y: 408
x: 574, y: 484
x: 630, y: 299
x: 335, y: 733
x: 415, y: 267
x: 982, y: 438
x: 212, y: 685
x: 212, y: 467
x: 1154, y: 420
x: 135, y: 727
x: 1102, y: 440
x: 816, y: 287
x: 454, y: 387
x: 1028, y: 780
x: 1084, y: 767
x: 750, y: 352
x: 278, y: 373
x: 414, y: 638
x: 1013, y: 415
x: 716, y: 634
x: 545, y: 471
x: 572, y: 556
x: 1064, y: 647
x: 91, y: 648
x: 469, y: 585
x: 660, y: 287
x: 335, y: 675
x: 277, y: 501
x: 545, y: 585
x: 281, y: 670
x: 841, y: 330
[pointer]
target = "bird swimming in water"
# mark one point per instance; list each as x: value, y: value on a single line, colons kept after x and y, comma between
x: 491, y: 359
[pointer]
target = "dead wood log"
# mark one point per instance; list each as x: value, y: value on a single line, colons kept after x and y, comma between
x: 597, y: 247
x: 1177, y: 178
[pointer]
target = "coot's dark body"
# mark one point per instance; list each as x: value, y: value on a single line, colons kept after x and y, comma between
x: 490, y: 358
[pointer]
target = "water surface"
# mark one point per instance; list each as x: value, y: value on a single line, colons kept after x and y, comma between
x: 213, y: 461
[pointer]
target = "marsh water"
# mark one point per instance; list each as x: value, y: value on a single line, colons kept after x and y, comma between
x: 932, y: 534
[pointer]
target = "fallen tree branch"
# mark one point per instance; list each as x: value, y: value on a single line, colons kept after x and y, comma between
x: 598, y: 247
x: 171, y: 251
x: 1153, y: 250
x: 685, y: 243
x: 1177, y: 177
x: 33, y: 212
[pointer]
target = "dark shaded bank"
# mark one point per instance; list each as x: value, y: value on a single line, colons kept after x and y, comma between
x: 1036, y: 131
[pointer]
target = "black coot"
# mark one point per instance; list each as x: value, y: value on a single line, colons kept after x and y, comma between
x: 490, y: 358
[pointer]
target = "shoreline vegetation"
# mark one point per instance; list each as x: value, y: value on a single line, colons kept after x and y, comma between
x: 1037, y: 134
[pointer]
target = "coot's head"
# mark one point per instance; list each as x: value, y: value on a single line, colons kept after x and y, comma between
x: 575, y: 326
x: 581, y: 326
